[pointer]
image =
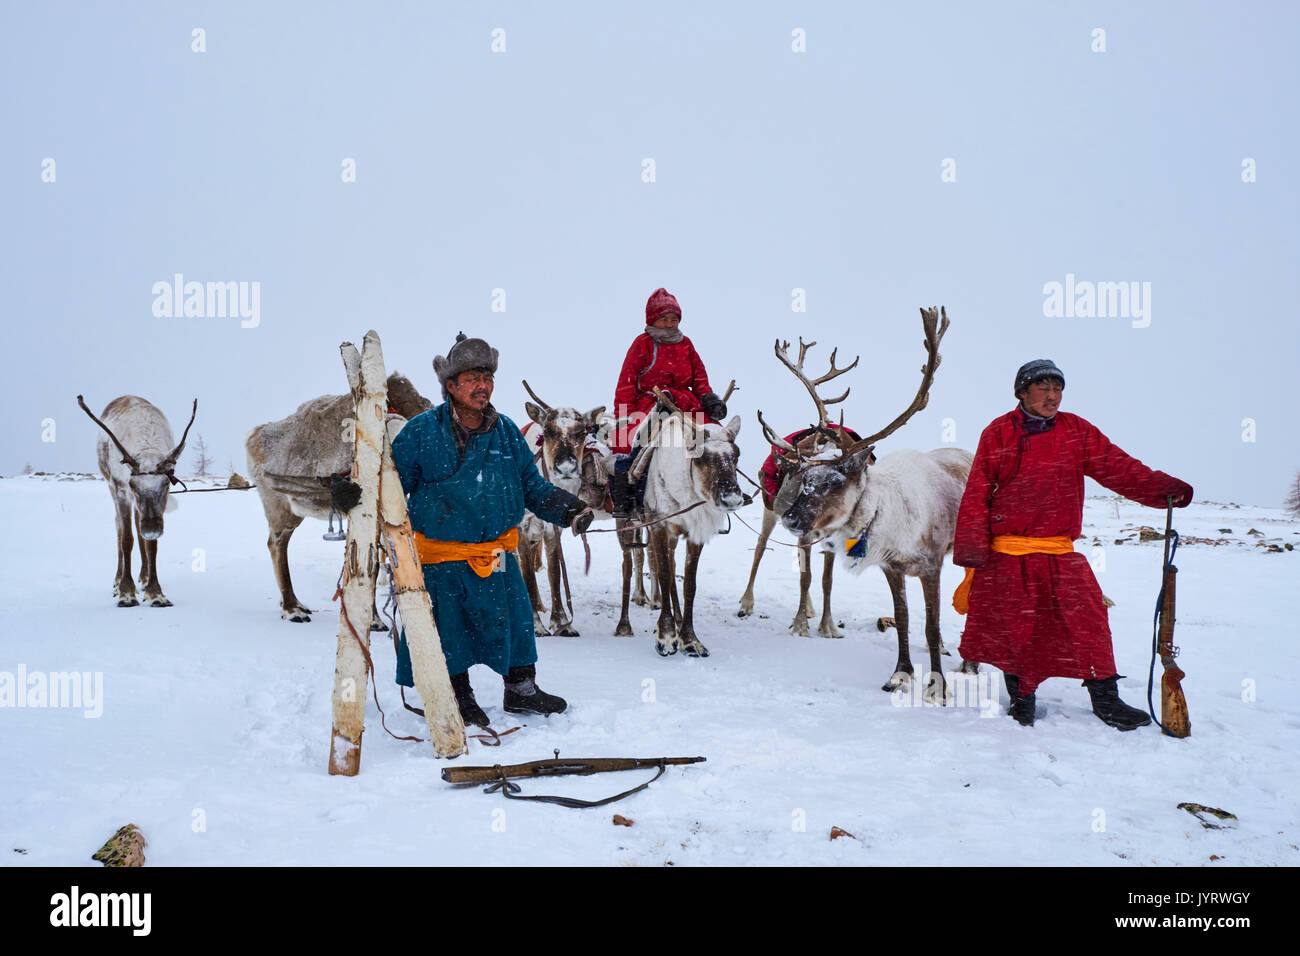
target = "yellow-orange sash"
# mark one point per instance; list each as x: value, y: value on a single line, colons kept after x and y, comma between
x: 1012, y: 544
x: 482, y: 558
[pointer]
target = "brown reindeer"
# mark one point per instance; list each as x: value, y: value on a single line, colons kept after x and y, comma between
x: 903, y: 510
x: 572, y: 456
x: 139, y: 482
x: 292, y: 461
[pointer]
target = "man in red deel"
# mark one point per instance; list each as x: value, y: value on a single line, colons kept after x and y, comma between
x: 1035, y: 609
x: 660, y: 357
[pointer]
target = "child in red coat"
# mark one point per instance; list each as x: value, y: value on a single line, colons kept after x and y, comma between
x: 660, y: 357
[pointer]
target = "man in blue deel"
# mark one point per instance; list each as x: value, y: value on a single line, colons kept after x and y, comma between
x: 468, y: 475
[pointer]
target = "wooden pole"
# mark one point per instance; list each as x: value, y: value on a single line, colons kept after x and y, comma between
x: 361, y: 555
x: 441, y: 712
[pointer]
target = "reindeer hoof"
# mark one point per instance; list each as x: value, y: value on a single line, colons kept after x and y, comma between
x: 624, y: 629
x: 899, y: 680
x: 298, y: 615
x: 666, y: 650
x: 127, y: 601
x: 969, y: 667
x: 158, y: 601
x: 936, y: 692
x: 377, y: 625
x: 944, y: 650
x: 566, y: 631
x: 884, y: 623
x: 695, y: 649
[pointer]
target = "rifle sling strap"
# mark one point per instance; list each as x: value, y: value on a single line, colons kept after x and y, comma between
x: 511, y: 790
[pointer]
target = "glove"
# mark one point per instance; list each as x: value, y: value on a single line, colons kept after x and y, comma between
x: 1182, y: 496
x: 583, y: 521
x: 345, y: 494
x: 714, y: 407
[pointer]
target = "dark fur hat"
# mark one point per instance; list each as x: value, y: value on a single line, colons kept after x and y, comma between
x: 1031, y: 372
x: 464, y: 355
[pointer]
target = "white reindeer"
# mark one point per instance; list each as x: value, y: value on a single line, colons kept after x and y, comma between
x: 904, y: 508
x: 690, y: 466
x: 139, y: 482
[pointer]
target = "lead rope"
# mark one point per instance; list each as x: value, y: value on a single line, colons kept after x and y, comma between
x: 511, y: 790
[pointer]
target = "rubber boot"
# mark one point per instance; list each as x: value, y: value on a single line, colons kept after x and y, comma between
x: 523, y: 696
x: 1113, y: 711
x: 470, y: 711
x: 620, y: 492
x: 1022, y: 708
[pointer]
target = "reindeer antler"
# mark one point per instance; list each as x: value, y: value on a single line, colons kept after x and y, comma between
x: 545, y: 407
x: 929, y: 320
x: 127, y: 457
x: 170, y: 460
x: 774, y: 439
x: 782, y: 352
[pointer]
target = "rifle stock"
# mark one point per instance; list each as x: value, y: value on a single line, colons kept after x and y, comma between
x: 1173, y: 705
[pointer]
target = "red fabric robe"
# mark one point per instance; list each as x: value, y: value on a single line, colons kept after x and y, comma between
x: 675, y: 368
x: 1041, y: 615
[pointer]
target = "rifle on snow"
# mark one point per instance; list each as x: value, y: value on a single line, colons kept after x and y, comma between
x: 1174, y: 720
x: 499, y: 776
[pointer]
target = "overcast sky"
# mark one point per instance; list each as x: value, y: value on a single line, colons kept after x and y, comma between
x: 958, y: 154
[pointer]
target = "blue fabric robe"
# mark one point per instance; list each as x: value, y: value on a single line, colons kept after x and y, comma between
x: 476, y: 498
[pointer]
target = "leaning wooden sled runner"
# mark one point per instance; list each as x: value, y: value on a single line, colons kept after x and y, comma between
x: 379, y: 529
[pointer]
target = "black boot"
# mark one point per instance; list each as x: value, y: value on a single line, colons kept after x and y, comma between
x: 1113, y: 711
x: 470, y: 711
x: 1022, y: 708
x: 523, y: 696
x: 620, y: 492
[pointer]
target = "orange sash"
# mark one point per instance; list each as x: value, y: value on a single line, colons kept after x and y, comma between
x: 482, y: 558
x: 1012, y: 544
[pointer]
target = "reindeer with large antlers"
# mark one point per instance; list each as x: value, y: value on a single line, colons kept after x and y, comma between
x: 571, y: 455
x: 817, y: 442
x: 139, y: 482
x: 902, y: 510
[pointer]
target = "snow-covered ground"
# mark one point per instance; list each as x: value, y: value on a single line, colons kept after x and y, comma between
x: 215, y: 723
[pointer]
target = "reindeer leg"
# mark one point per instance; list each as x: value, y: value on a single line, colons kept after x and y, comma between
x: 827, y: 627
x: 528, y: 555
x: 124, y: 587
x: 690, y: 643
x: 666, y: 638
x: 561, y: 626
x: 291, y: 609
x: 799, y: 626
x: 936, y: 688
x: 639, y: 596
x: 902, y: 676
x: 747, y: 599
x: 153, y: 594
x: 656, y: 592
x: 624, y: 628
x: 672, y: 580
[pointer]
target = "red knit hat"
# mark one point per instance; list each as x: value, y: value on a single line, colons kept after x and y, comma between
x: 660, y: 303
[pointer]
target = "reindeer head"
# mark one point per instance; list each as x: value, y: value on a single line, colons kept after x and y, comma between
x: 565, y: 449
x: 151, y: 476
x: 818, y: 499
x: 714, y: 455
x: 711, y: 453
x: 826, y: 474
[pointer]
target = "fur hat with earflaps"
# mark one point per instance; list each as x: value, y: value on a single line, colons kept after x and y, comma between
x: 464, y: 355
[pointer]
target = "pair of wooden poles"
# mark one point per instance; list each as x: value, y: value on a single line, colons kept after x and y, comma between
x: 379, y: 530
